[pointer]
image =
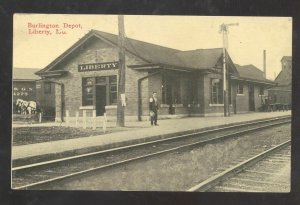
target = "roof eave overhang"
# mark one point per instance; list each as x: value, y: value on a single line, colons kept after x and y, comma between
x: 285, y: 90
x: 25, y: 80
x: 161, y: 66
x: 145, y: 66
x: 53, y: 73
x: 177, y: 68
x: 253, y: 81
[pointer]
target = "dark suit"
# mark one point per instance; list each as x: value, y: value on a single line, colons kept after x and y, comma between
x: 153, y: 106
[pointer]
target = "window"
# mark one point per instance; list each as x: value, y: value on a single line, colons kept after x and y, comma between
x: 87, y: 91
x: 113, y: 79
x: 240, y: 88
x: 101, y: 80
x: 113, y: 90
x: 261, y: 91
x: 216, y: 91
x: 47, y: 87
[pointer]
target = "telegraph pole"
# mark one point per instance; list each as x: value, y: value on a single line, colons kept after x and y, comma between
x: 121, y: 78
x: 224, y: 30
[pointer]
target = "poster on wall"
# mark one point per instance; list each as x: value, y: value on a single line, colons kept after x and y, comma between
x: 152, y: 103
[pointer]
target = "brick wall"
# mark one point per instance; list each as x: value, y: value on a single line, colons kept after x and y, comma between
x: 242, y: 100
x: 197, y: 104
x: 58, y: 102
x: 96, y: 51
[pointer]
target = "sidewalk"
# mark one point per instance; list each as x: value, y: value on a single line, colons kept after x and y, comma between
x: 166, y: 127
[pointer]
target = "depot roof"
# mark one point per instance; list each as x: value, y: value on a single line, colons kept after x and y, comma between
x: 250, y: 72
x: 199, y: 59
x: 151, y: 53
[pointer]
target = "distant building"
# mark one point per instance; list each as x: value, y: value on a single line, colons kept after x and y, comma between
x: 188, y: 83
x: 251, y: 88
x: 24, y: 85
x: 282, y: 92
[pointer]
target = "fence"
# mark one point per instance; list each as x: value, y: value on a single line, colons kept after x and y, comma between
x: 27, y: 118
x: 86, y: 121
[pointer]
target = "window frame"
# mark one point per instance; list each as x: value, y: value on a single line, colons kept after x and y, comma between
x: 84, y: 94
x: 113, y: 84
x: 218, y: 93
x: 261, y: 91
x: 240, y: 88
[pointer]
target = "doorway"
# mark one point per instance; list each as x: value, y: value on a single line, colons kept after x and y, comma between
x: 251, y: 98
x: 100, y: 99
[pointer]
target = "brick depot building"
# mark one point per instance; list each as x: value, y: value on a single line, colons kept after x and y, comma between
x: 188, y: 83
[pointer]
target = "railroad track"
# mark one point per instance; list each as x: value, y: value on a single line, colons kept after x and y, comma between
x: 33, y: 176
x: 264, y: 172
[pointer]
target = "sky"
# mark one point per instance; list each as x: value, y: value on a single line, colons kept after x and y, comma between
x: 246, y: 41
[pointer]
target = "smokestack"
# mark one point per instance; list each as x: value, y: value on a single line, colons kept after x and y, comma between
x: 265, y: 69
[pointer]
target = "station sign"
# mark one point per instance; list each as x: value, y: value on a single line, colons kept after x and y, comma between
x: 97, y: 66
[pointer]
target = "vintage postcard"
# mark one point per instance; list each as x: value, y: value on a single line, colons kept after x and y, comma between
x: 151, y: 103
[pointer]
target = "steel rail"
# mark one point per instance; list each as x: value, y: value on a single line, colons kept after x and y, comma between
x: 215, y: 180
x: 200, y: 143
x: 146, y: 143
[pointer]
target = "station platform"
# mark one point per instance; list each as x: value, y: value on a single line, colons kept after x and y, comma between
x: 143, y: 132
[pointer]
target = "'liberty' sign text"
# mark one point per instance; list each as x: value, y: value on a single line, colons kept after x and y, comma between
x: 97, y: 66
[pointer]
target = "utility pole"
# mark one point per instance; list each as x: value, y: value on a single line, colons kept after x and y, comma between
x: 224, y: 30
x: 121, y: 79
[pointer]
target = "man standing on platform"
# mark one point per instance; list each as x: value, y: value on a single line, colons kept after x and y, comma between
x: 153, y: 107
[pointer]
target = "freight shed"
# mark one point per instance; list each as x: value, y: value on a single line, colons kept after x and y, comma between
x: 24, y: 86
x: 282, y: 93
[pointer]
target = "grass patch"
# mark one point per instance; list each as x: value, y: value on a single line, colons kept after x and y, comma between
x: 31, y: 135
